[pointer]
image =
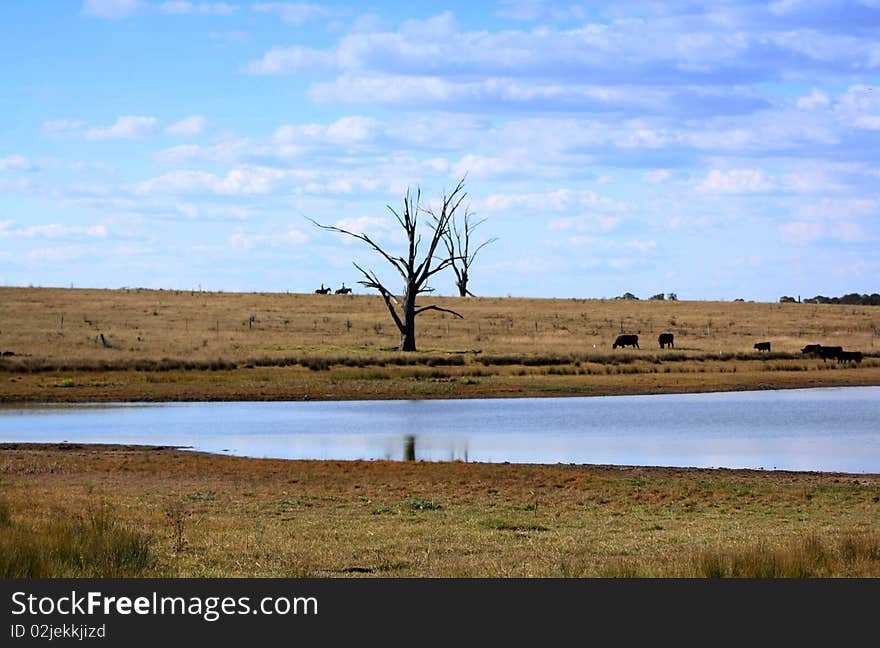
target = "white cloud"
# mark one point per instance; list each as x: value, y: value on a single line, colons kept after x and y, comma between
x: 286, y: 238
x: 188, y: 127
x: 620, y: 263
x: 816, y: 99
x: 365, y: 135
x: 241, y: 181
x: 125, y: 127
x: 840, y: 210
x: 180, y: 8
x: 294, y: 13
x: 436, y: 91
x: 541, y: 10
x: 559, y: 200
x: 112, y: 9
x: 373, y: 226
x: 288, y: 60
x: 860, y: 105
x: 230, y: 37
x: 437, y: 165
x: 585, y: 223
x: 58, y: 253
x: 800, y: 232
x: 209, y: 211
x: 61, y: 126
x: 849, y: 232
x: 15, y: 163
x: 642, y: 246
x: 234, y: 151
x: 482, y: 166
x: 658, y: 176
x: 351, y: 129
x: 677, y: 48
x: 119, y: 9
x: 346, y: 130
x: 8, y: 229
x: 736, y: 181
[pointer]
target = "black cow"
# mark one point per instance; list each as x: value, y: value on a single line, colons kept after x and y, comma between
x: 666, y: 339
x: 762, y: 346
x: 812, y: 349
x: 849, y: 356
x: 830, y: 352
x: 625, y: 341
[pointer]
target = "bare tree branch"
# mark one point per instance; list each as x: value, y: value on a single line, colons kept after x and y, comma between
x: 413, y: 267
x: 457, y: 239
x: 390, y: 299
x: 396, y: 262
x: 438, y: 308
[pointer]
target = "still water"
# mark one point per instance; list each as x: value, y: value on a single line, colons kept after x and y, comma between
x: 828, y: 429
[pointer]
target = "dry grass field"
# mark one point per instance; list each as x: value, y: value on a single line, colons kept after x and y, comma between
x: 139, y: 511
x: 183, y: 345
x: 69, y: 510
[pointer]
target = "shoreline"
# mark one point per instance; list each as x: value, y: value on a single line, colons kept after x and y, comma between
x: 24, y: 389
x: 761, y: 387
x: 42, y: 447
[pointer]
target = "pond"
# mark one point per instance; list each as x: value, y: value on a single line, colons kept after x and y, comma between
x: 827, y: 429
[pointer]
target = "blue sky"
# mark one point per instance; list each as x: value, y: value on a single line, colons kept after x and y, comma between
x: 723, y: 151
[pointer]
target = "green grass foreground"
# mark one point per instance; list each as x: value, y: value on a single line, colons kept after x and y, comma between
x: 130, y: 511
x: 89, y: 545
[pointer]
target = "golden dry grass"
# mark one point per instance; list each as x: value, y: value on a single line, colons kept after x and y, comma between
x: 237, y: 326
x: 225, y: 516
x: 180, y: 345
x: 221, y: 516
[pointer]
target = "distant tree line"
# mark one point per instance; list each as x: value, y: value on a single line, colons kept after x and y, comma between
x: 657, y: 297
x: 854, y: 299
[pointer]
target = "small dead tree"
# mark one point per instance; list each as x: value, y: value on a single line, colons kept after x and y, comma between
x: 415, y: 270
x: 458, y: 243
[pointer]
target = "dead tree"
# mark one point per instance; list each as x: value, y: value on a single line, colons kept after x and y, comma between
x: 458, y: 244
x: 414, y: 269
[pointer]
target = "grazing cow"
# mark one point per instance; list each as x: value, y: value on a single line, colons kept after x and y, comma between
x: 9, y: 353
x: 849, y: 356
x: 666, y: 339
x: 762, y: 346
x: 322, y: 290
x: 343, y: 290
x: 812, y: 349
x: 830, y: 352
x: 625, y: 341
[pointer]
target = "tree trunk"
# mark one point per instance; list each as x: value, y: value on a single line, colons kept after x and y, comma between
x: 408, y: 337
x: 408, y: 332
